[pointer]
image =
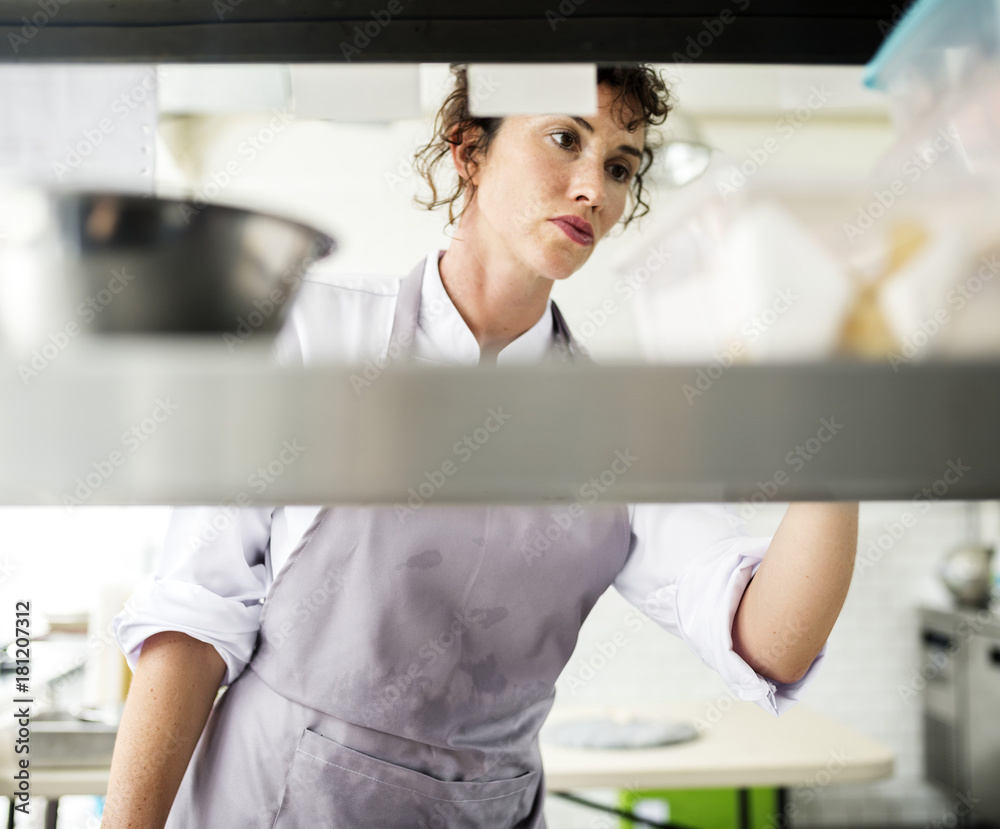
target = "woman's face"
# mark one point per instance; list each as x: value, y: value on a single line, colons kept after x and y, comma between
x: 542, y: 167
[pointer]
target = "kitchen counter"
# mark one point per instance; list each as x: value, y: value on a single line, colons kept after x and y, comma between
x: 739, y: 746
x: 53, y: 783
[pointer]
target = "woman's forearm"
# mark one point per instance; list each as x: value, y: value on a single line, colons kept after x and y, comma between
x: 790, y: 605
x: 171, y: 695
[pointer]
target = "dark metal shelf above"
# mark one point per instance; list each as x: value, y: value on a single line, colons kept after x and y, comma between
x: 245, y: 31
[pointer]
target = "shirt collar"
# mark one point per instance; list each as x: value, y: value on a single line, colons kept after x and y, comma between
x: 442, y: 324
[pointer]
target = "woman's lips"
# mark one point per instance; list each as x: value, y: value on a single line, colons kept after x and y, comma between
x: 574, y: 234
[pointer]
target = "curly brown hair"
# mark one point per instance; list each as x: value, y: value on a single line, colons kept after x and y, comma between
x: 640, y: 90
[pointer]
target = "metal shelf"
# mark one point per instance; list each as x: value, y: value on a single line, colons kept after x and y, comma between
x: 865, y: 432
x: 733, y: 31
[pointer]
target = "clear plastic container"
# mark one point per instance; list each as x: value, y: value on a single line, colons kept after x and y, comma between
x: 793, y: 271
x: 744, y: 277
x: 961, y: 137
x: 935, y: 51
x: 940, y: 68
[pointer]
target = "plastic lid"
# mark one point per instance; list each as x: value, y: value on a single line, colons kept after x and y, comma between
x: 932, y: 26
x: 609, y: 733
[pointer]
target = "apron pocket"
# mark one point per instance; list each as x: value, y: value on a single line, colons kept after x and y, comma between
x: 330, y: 785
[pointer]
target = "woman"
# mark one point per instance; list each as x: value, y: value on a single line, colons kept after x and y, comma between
x: 398, y: 667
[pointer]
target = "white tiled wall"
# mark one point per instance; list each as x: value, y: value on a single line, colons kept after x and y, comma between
x: 872, y: 651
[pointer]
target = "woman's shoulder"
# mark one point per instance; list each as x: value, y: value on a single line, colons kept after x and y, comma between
x: 338, y: 316
x: 340, y: 283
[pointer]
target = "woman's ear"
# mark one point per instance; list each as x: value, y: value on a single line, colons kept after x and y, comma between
x: 465, y: 166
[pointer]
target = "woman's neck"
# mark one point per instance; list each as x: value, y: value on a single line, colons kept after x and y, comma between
x: 497, y: 296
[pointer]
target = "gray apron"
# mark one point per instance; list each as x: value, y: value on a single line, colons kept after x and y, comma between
x: 404, y: 665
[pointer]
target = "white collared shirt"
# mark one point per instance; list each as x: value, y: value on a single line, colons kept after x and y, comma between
x: 687, y: 567
x: 443, y: 336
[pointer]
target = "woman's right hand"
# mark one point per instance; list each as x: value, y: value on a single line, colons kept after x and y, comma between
x: 175, y: 684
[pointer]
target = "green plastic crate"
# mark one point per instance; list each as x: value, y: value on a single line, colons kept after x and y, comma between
x: 705, y: 808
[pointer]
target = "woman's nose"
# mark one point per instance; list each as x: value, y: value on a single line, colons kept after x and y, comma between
x: 588, y: 183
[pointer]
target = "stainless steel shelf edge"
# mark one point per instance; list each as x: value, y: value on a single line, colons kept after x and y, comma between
x: 217, y: 428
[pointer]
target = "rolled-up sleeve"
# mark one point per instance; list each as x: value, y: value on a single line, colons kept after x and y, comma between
x: 209, y: 582
x: 687, y: 569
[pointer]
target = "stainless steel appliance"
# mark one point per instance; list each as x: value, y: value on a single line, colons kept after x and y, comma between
x: 115, y: 262
x: 960, y: 675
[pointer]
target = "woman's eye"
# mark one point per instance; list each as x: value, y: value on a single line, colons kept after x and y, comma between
x: 624, y: 172
x: 571, y: 135
x: 620, y: 172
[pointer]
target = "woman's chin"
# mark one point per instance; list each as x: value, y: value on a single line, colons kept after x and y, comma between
x: 557, y: 260
x: 565, y: 266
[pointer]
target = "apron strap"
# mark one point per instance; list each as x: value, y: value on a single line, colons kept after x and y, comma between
x: 404, y: 321
x: 566, y: 348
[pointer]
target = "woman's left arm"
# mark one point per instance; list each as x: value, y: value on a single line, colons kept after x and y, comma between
x: 789, y: 607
